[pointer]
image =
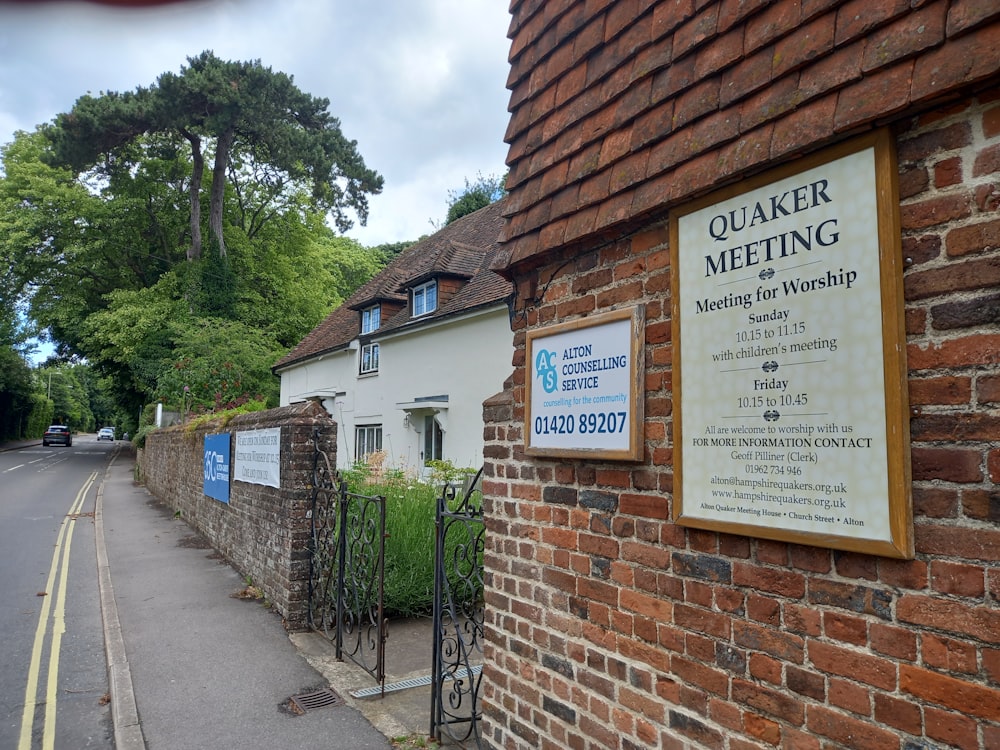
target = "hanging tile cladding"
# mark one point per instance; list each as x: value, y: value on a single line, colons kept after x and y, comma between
x: 621, y: 109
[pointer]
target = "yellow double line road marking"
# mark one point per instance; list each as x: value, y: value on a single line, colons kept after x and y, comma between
x: 60, y: 568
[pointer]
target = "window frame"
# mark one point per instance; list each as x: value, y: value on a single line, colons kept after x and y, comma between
x: 369, y: 352
x: 433, y: 440
x: 421, y: 290
x: 369, y: 437
x: 371, y: 319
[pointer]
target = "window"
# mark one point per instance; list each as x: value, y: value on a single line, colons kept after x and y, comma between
x: 371, y: 319
x: 369, y: 358
x: 367, y: 440
x: 424, y: 298
x: 433, y: 440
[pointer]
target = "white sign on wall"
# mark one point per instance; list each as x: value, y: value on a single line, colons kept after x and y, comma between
x: 584, y: 389
x: 258, y: 457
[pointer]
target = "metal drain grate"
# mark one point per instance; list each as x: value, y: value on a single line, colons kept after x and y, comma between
x: 411, y: 683
x: 319, y: 699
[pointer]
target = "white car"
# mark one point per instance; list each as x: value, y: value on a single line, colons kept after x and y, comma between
x: 106, y: 433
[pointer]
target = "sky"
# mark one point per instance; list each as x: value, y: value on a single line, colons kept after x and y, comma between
x: 419, y: 84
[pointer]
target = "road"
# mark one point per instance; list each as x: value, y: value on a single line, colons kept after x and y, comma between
x: 53, y: 674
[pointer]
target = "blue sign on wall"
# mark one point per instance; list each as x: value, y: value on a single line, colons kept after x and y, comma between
x: 217, y: 466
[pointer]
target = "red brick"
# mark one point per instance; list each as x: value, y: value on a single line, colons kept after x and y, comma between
x: 780, y: 582
x: 909, y: 574
x: 806, y: 682
x: 765, y: 668
x: 848, y: 731
x: 951, y: 617
x: 786, y: 647
x: 993, y: 465
x: 707, y: 678
x: 772, y: 702
x: 946, y: 464
x: 934, y: 211
x: 987, y: 161
x: 988, y: 388
x: 991, y: 122
x: 944, y: 390
x: 984, y: 505
x: 957, y: 428
x: 953, y: 728
x: 921, y: 249
x: 901, y: 714
x: 972, y: 544
x: 702, y: 621
x: 977, y: 349
x: 935, y: 502
x: 948, y: 654
x: 974, y: 238
x: 893, y: 641
x: 871, y: 670
x: 845, y: 628
x: 803, y: 620
x: 948, y: 172
x: 958, y: 579
x: 850, y: 696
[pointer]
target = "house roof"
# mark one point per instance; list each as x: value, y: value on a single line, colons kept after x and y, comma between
x: 465, y: 249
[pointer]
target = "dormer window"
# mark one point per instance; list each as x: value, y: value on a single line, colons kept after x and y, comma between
x: 371, y: 319
x: 424, y: 298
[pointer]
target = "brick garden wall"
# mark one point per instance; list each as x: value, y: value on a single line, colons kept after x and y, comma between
x: 611, y: 627
x: 263, y: 531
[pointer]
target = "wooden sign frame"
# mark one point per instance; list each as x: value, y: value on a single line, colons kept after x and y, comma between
x: 782, y: 364
x: 584, y: 395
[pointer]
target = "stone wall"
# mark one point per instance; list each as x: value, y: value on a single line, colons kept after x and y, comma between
x: 609, y: 626
x: 263, y: 531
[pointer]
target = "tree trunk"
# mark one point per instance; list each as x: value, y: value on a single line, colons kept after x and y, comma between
x: 197, y: 170
x: 222, y: 147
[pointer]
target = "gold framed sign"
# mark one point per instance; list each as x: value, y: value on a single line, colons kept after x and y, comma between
x: 790, y: 392
x: 584, y: 395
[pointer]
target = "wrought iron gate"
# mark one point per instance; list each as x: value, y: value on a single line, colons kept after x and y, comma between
x: 458, y: 615
x: 347, y: 567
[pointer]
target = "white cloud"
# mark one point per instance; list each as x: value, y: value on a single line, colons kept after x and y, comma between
x: 419, y: 84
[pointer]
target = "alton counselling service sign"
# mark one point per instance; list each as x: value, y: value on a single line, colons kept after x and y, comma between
x: 584, y: 394
x: 790, y: 412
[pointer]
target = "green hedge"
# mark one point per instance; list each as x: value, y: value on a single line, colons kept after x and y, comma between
x: 409, y: 546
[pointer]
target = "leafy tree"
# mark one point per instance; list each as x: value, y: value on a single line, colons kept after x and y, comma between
x: 477, y: 195
x: 97, y: 221
x: 279, y: 139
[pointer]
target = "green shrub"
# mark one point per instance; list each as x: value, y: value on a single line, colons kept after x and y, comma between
x: 409, y: 546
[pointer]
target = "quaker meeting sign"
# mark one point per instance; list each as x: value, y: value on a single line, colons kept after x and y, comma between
x: 790, y: 414
x: 216, y: 467
x: 584, y: 387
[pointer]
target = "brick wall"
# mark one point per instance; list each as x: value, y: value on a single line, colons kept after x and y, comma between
x: 611, y: 627
x: 263, y: 531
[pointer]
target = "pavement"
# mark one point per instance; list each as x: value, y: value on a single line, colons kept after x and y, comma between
x: 191, y: 664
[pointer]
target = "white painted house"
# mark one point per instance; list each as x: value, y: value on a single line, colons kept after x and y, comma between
x: 405, y: 364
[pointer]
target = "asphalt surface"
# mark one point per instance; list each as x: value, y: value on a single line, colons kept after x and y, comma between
x: 193, y: 665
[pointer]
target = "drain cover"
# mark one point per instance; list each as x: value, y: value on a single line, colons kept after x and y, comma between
x: 319, y: 699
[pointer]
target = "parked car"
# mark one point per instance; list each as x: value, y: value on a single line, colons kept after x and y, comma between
x: 106, y: 433
x: 57, y: 434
